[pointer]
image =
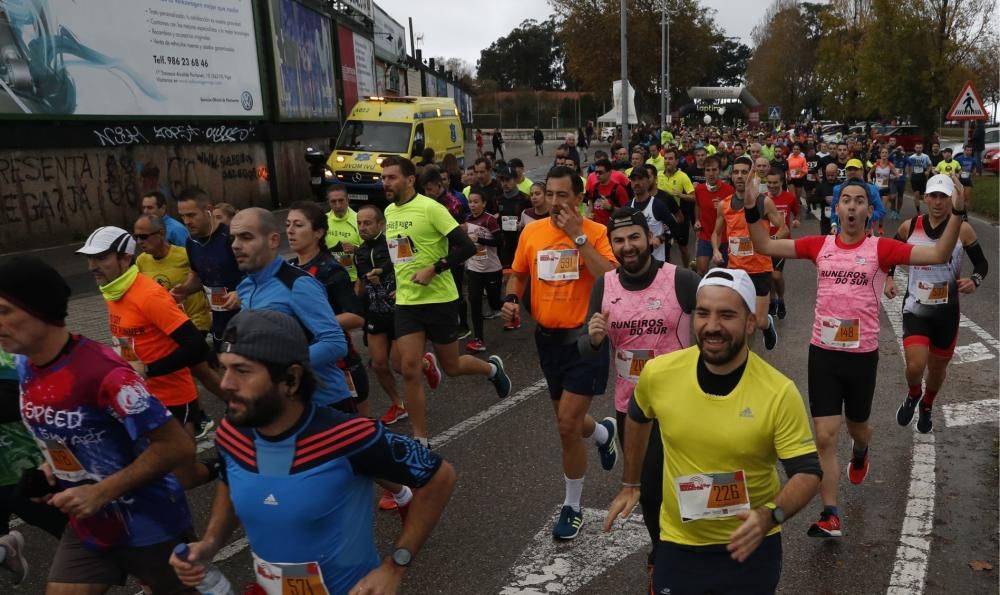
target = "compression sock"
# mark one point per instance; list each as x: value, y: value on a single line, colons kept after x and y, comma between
x: 600, y: 435
x: 858, y: 457
x: 403, y: 497
x: 830, y: 510
x: 928, y: 401
x: 914, y: 391
x: 574, y: 492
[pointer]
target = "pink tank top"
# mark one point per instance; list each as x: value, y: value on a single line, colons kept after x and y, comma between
x: 848, y: 285
x: 643, y: 324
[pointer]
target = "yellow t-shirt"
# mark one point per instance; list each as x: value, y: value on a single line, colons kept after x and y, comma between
x: 678, y: 183
x: 416, y: 235
x: 524, y: 186
x: 948, y: 167
x: 762, y: 420
x: 173, y: 270
x: 343, y: 229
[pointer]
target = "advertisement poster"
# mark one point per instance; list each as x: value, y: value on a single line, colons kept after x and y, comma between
x: 364, y: 65
x: 303, y: 55
x: 348, y: 74
x: 390, y: 37
x: 129, y: 58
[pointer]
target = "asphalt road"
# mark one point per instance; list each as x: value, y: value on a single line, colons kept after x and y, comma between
x: 901, y: 535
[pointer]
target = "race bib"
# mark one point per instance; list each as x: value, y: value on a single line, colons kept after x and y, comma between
x: 216, y: 297
x: 965, y: 175
x: 508, y: 223
x: 811, y: 177
x: 932, y: 294
x: 481, y: 253
x: 400, y: 250
x: 917, y: 169
x: 630, y: 362
x: 711, y: 495
x: 289, y: 579
x: 827, y: 211
x: 64, y: 463
x: 558, y: 265
x: 740, y: 246
x: 882, y: 180
x: 844, y: 333
x: 125, y: 347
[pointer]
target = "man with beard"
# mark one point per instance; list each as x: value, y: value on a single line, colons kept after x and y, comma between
x: 660, y: 210
x: 485, y: 185
x: 424, y: 243
x: 707, y: 199
x: 281, y: 450
x: 851, y: 270
x: 725, y: 418
x: 642, y: 310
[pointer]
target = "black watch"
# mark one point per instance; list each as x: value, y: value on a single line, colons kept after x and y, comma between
x: 402, y: 557
x: 777, y: 513
x: 511, y: 298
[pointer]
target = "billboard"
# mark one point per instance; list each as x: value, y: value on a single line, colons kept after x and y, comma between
x: 130, y: 58
x: 303, y: 61
x: 390, y: 37
x: 357, y: 66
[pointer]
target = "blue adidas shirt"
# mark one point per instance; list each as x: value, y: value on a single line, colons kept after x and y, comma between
x: 308, y: 495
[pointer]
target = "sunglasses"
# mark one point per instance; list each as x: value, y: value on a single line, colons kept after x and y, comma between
x: 141, y: 237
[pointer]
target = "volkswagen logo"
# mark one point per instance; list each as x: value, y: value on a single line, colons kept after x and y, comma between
x: 357, y: 178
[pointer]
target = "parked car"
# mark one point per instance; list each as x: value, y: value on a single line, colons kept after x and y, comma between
x: 906, y: 136
x: 607, y: 133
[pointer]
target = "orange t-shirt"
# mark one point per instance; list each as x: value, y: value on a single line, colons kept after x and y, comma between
x: 797, y: 166
x: 560, y: 281
x: 141, y: 323
x: 741, y: 250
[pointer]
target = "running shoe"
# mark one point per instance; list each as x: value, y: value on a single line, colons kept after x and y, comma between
x: 394, y: 414
x: 608, y: 451
x: 924, y: 422
x: 491, y: 315
x: 904, y: 415
x: 387, y: 502
x: 205, y: 426
x: 464, y: 333
x: 432, y: 372
x: 781, y: 311
x: 475, y: 346
x: 772, y: 308
x: 568, y: 525
x: 770, y: 334
x: 500, y: 380
x: 13, y: 542
x: 828, y: 525
x: 857, y: 470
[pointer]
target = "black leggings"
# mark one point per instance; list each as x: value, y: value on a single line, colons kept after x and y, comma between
x: 45, y: 517
x: 458, y: 273
x: 651, y: 480
x: 478, y: 283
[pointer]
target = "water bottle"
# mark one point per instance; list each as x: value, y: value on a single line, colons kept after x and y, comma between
x: 215, y: 582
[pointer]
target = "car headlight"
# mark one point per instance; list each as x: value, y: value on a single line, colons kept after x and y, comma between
x: 328, y: 174
x: 340, y: 159
x: 378, y: 160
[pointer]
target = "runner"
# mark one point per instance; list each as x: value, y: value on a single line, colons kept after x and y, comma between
x: 731, y: 224
x: 342, y: 229
x: 484, y: 271
x: 723, y: 503
x: 659, y: 213
x: 654, y: 298
x: 511, y: 203
x: 488, y: 187
x: 561, y: 258
x: 606, y: 194
x: 539, y: 208
x: 431, y: 183
x: 523, y: 182
x: 855, y: 171
x: 931, y: 303
x: 424, y: 242
x: 898, y: 188
x: 281, y: 450
x: 851, y: 269
x: 707, y: 199
x: 109, y: 445
x: 223, y: 212
x: 883, y: 174
x: 679, y: 187
x: 967, y: 163
x: 787, y: 205
x: 155, y: 203
x: 273, y: 284
x: 151, y: 334
x: 918, y: 164
x: 798, y: 170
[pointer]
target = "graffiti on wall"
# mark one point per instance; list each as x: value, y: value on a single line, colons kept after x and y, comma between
x: 145, y: 134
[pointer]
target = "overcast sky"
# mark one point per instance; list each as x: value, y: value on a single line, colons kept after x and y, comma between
x: 463, y: 29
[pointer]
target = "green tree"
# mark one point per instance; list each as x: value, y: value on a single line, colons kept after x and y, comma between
x: 731, y: 65
x: 524, y: 58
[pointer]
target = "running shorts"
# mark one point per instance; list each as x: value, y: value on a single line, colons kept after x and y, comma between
x: 842, y: 382
x: 918, y: 183
x: 711, y: 568
x: 565, y: 369
x: 778, y: 264
x: 380, y: 324
x: 938, y: 331
x: 762, y: 283
x: 439, y: 322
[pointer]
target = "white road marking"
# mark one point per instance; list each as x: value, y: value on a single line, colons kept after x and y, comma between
x: 548, y: 566
x: 973, y: 352
x: 971, y: 413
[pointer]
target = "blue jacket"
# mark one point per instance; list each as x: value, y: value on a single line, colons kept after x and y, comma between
x: 873, y: 197
x: 284, y: 288
x: 177, y: 234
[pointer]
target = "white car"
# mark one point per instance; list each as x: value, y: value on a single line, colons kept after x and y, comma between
x: 607, y: 133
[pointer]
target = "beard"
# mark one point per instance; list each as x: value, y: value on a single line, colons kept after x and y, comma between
x: 731, y: 348
x: 257, y: 412
x: 642, y: 259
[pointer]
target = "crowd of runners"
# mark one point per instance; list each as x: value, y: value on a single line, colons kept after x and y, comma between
x: 653, y: 265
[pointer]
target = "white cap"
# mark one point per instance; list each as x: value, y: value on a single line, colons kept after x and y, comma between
x: 940, y: 183
x: 108, y: 238
x: 735, y: 279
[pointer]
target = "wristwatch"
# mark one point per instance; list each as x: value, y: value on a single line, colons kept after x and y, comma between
x: 580, y: 240
x: 402, y: 557
x: 777, y: 513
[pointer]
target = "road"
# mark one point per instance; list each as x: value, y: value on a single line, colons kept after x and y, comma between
x: 927, y: 509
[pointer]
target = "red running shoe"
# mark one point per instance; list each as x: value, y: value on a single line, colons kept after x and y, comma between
x: 858, y: 472
x: 387, y: 502
x: 475, y: 346
x: 431, y: 370
x: 394, y: 414
x: 828, y: 525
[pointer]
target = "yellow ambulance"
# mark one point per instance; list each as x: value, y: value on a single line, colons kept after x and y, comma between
x: 382, y: 126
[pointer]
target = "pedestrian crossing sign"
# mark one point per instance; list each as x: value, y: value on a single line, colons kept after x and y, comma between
x: 968, y: 105
x: 774, y: 113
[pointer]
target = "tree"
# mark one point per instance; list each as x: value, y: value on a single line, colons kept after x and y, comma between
x: 528, y: 57
x: 460, y: 68
x: 731, y: 67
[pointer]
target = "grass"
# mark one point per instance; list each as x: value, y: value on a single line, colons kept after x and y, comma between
x: 986, y: 196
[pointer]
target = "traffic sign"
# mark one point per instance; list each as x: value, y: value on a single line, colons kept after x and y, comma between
x: 774, y: 113
x: 968, y: 105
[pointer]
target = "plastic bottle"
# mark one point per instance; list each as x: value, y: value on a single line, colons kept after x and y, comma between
x: 215, y: 582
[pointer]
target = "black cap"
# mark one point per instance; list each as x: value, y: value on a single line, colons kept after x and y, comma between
x: 35, y: 287
x: 627, y: 217
x: 503, y: 170
x: 266, y: 336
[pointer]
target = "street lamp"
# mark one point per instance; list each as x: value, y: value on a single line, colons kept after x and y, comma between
x: 664, y: 65
x: 623, y: 25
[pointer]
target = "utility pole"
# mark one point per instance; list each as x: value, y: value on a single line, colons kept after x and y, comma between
x: 624, y: 73
x: 666, y: 86
x: 663, y: 65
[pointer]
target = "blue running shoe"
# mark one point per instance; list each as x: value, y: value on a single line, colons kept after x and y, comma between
x: 500, y: 380
x: 568, y: 525
x: 608, y: 450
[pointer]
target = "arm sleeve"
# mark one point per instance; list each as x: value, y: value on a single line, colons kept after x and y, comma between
x: 792, y: 434
x: 686, y: 287
x: 807, y: 463
x: 893, y: 253
x: 809, y: 246
x: 980, y: 266
x: 596, y: 300
x: 308, y: 302
x: 635, y: 412
x: 460, y: 247
x: 396, y: 458
x: 191, y: 350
